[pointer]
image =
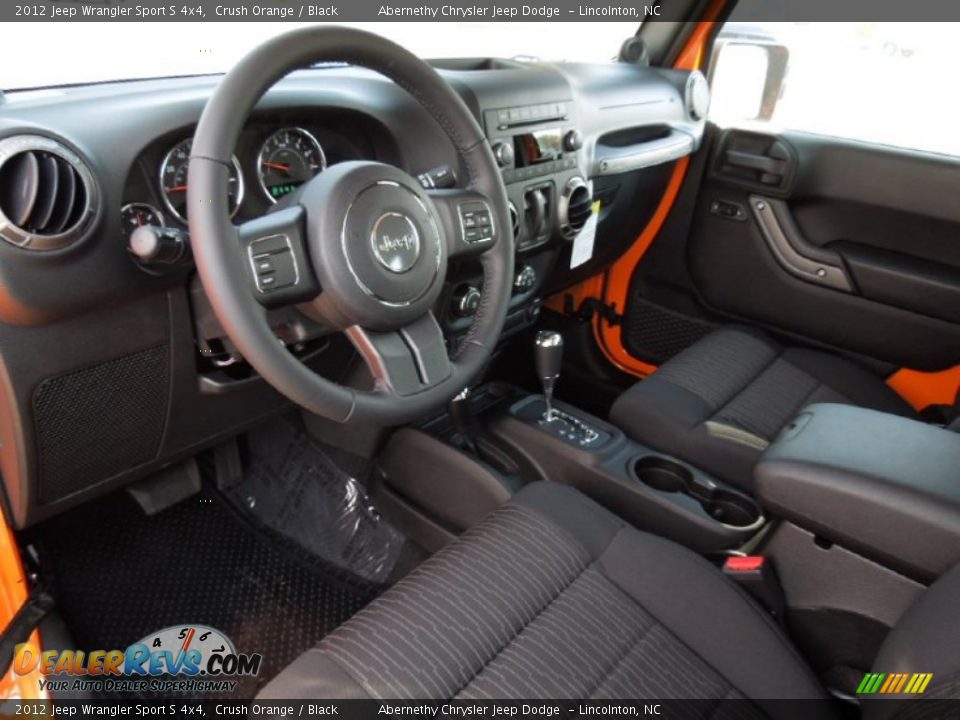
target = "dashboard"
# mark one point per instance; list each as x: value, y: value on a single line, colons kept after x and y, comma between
x: 112, y: 363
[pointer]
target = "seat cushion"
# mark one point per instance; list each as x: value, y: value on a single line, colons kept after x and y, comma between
x: 719, y: 403
x: 554, y: 597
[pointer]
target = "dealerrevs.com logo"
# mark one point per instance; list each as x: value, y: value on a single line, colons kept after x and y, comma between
x: 181, y: 658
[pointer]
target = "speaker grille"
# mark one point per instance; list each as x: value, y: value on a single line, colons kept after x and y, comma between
x: 97, y: 422
x: 655, y: 334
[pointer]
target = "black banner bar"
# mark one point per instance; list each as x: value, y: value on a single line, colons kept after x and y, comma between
x: 445, y: 710
x: 461, y: 10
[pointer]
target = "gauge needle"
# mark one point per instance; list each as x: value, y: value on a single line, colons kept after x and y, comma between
x: 178, y: 188
x: 276, y: 166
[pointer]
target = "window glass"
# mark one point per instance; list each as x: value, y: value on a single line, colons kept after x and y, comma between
x: 119, y: 51
x: 887, y: 83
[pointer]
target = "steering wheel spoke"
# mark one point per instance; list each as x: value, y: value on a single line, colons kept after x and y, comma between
x: 275, y: 251
x: 469, y: 221
x: 406, y: 361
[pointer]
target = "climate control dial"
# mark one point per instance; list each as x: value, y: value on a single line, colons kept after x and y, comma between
x: 466, y: 301
x: 525, y: 279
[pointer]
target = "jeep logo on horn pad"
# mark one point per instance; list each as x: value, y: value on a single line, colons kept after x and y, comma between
x: 395, y: 241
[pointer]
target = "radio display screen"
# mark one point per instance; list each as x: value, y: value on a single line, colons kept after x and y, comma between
x: 539, y: 146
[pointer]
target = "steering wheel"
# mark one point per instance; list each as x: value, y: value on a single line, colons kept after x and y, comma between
x: 364, y: 248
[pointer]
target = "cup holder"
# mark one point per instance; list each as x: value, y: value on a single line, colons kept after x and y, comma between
x: 662, y: 474
x: 731, y: 508
x: 723, y: 505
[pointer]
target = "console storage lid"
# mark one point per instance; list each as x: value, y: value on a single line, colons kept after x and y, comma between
x: 882, y: 485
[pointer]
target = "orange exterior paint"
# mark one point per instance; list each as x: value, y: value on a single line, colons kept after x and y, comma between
x: 613, y: 285
x: 13, y: 594
x: 617, y: 285
x: 922, y: 389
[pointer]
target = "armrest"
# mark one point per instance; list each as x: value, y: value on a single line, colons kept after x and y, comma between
x: 882, y: 485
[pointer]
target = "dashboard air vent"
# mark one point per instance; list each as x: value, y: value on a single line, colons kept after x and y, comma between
x: 576, y: 207
x: 514, y: 220
x: 48, y: 198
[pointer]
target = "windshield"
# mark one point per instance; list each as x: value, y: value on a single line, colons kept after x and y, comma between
x: 122, y: 51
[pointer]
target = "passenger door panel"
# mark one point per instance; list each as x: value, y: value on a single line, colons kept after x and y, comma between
x: 845, y: 244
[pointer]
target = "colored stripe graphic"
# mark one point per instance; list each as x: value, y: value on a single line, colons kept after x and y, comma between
x: 894, y: 683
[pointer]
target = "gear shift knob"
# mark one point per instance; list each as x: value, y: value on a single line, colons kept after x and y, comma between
x: 548, y: 357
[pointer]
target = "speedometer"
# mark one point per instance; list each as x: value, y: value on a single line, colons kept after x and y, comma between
x: 288, y: 158
x: 173, y: 181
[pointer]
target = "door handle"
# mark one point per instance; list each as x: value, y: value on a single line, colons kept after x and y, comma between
x: 760, y: 163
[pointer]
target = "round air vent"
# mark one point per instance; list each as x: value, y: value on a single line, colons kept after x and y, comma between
x: 697, y: 96
x: 576, y: 204
x: 48, y: 197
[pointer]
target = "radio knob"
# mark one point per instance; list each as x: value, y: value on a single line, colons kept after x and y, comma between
x: 466, y: 301
x: 503, y: 152
x: 525, y: 279
x: 573, y: 141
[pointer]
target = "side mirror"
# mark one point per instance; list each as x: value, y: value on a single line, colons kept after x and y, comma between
x: 746, y: 78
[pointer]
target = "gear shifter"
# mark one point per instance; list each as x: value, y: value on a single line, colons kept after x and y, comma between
x: 548, y: 357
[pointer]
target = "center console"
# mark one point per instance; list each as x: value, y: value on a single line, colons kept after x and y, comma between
x: 653, y: 491
x: 498, y: 438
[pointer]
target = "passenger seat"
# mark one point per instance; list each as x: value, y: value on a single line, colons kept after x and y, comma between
x: 719, y: 403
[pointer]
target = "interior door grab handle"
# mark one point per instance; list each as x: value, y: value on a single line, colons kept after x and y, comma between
x: 613, y: 161
x: 795, y: 254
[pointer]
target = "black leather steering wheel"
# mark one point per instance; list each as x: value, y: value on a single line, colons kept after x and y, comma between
x: 364, y: 248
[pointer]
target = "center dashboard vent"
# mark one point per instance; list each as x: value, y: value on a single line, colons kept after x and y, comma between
x: 576, y: 207
x: 48, y: 196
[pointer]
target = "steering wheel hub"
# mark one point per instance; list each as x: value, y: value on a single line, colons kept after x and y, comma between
x: 395, y: 241
x: 376, y: 244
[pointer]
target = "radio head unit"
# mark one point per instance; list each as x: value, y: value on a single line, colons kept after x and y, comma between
x: 533, y: 141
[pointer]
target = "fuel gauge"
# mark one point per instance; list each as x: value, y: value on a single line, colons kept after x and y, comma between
x: 137, y: 215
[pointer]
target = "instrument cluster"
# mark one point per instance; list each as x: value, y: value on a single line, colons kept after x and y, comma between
x: 271, y: 162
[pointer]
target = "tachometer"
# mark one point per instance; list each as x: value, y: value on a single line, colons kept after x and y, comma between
x: 137, y: 215
x: 288, y: 158
x: 173, y: 181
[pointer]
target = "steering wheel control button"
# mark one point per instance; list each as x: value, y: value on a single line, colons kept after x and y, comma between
x: 273, y: 262
x: 438, y: 178
x: 476, y: 222
x: 395, y: 242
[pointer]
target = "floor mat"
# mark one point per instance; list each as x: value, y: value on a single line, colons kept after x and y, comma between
x: 297, y: 489
x: 119, y: 576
